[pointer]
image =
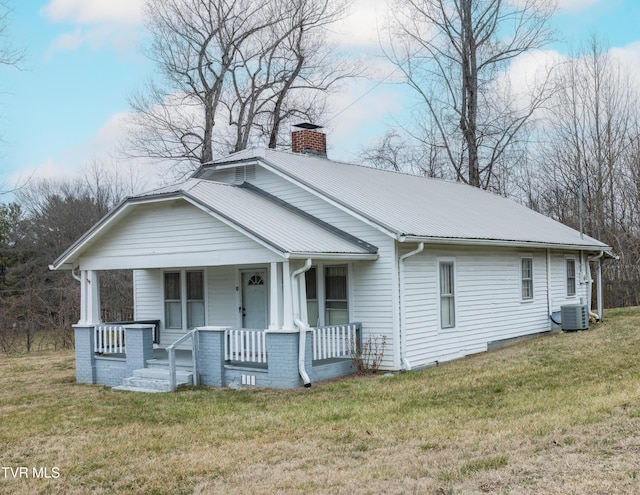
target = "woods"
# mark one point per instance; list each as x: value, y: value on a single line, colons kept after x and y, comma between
x: 38, y: 306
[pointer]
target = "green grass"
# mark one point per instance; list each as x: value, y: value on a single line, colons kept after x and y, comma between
x: 555, y: 415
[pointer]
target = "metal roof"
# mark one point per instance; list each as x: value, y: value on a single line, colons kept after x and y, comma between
x: 420, y: 208
x: 280, y: 226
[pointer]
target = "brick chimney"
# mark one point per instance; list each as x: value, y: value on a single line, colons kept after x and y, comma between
x: 307, y: 140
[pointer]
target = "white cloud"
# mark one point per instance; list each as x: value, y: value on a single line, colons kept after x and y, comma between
x: 577, y: 5
x: 629, y: 57
x: 99, y: 23
x: 94, y: 11
x: 361, y: 27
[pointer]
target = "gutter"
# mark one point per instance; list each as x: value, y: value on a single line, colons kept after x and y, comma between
x: 297, y: 321
x: 403, y: 357
x: 502, y: 243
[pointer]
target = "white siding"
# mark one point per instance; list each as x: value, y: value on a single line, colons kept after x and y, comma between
x: 171, y: 235
x: 488, y: 299
x: 372, y: 284
x: 559, y: 295
x: 147, y: 295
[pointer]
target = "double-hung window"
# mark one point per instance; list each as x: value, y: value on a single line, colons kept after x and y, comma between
x: 327, y: 295
x: 570, y: 264
x: 336, y: 299
x: 184, y: 299
x: 526, y: 272
x: 447, y: 294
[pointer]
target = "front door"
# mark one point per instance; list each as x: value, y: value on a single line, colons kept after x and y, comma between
x: 254, y: 299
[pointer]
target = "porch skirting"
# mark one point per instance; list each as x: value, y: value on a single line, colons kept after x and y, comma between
x: 281, y: 371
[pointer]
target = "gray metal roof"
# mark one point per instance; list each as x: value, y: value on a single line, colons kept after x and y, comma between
x: 414, y: 207
x: 281, y: 227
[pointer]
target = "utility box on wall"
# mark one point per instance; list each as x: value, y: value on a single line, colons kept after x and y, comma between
x: 574, y: 317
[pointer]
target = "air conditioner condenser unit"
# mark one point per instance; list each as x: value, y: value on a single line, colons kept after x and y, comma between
x: 574, y: 317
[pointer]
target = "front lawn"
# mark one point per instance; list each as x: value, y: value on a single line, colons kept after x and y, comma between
x: 555, y: 415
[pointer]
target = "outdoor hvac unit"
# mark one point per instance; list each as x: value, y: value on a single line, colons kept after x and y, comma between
x: 574, y: 317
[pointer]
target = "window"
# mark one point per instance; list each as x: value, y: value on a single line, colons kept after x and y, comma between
x: 527, y: 278
x: 447, y: 294
x: 571, y: 276
x: 184, y: 296
x: 172, y: 300
x: 336, y: 299
x: 328, y: 295
x: 195, y: 299
x: 311, y: 285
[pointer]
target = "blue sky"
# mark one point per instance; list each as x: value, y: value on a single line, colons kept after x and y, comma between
x: 65, y: 109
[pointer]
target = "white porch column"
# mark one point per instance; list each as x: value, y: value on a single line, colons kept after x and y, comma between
x: 89, y: 297
x: 599, y: 298
x: 275, y: 294
x: 287, y: 297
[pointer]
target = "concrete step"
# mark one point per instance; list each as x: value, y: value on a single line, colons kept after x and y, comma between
x: 154, y: 380
x: 182, y: 376
x: 164, y: 364
x: 127, y: 388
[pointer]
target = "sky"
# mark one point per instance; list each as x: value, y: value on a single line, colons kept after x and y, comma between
x: 64, y: 108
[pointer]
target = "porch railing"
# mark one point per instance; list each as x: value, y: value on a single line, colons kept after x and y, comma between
x: 336, y: 341
x: 245, y: 346
x: 171, y: 353
x: 109, y: 338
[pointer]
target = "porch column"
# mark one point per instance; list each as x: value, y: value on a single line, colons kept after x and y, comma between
x: 287, y: 297
x: 275, y: 297
x: 600, y: 301
x: 139, y: 346
x: 85, y: 357
x: 89, y: 297
x: 210, y: 356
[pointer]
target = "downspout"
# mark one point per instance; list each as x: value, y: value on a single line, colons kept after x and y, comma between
x: 73, y: 274
x: 297, y: 321
x: 598, y: 315
x: 403, y: 357
x: 549, y: 300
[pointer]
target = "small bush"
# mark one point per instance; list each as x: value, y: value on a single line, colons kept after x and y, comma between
x: 368, y: 355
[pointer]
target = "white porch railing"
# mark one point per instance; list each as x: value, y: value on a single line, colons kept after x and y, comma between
x: 245, y: 346
x: 109, y: 339
x: 335, y: 341
x: 171, y: 352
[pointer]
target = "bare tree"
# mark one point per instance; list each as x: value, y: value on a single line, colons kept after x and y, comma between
x: 455, y: 54
x: 590, y: 155
x: 9, y: 54
x: 251, y: 65
x: 401, y: 154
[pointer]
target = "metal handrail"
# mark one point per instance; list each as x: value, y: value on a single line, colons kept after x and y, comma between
x: 171, y: 351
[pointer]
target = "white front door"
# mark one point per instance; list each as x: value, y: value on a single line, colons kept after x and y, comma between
x: 254, y: 299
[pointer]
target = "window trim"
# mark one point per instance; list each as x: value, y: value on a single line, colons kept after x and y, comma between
x: 566, y: 276
x: 184, y: 302
x: 530, y: 280
x: 453, y: 295
x: 321, y: 299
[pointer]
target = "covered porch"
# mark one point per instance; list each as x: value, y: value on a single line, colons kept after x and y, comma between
x: 117, y: 355
x: 227, y: 325
x: 217, y: 268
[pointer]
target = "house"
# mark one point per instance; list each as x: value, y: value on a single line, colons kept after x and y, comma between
x: 264, y: 267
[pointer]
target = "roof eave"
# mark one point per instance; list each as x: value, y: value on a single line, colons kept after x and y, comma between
x: 505, y: 243
x: 334, y: 256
